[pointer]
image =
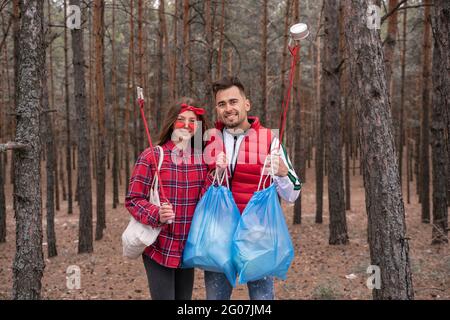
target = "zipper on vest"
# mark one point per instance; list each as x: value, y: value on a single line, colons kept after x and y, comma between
x: 233, y: 167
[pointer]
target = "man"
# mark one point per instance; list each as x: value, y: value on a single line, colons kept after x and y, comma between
x: 246, y: 145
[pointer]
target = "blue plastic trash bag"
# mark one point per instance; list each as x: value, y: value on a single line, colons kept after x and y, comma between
x: 208, y: 246
x: 262, y: 245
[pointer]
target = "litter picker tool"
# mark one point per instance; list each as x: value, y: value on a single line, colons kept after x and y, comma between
x: 141, y: 101
x: 298, y: 32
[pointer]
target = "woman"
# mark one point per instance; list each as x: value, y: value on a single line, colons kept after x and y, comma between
x: 182, y: 174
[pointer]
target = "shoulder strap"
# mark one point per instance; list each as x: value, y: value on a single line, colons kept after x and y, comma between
x: 161, y: 157
x: 160, y: 161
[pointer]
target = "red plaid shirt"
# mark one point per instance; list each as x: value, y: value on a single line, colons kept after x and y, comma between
x: 183, y: 182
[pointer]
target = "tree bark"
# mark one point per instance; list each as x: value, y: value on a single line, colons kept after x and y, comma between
x: 140, y: 73
x: 391, y: 40
x: 160, y: 73
x: 28, y: 264
x: 186, y: 72
x: 221, y: 41
x: 115, y: 166
x: 84, y: 150
x: 401, y: 136
x: 48, y: 139
x: 129, y: 100
x: 209, y: 51
x: 99, y: 6
x: 389, y: 248
x: 263, y: 73
x: 67, y: 102
x: 2, y: 201
x: 321, y: 102
x: 298, y: 146
x: 426, y: 101
x: 52, y: 104
x: 331, y: 65
x: 441, y: 108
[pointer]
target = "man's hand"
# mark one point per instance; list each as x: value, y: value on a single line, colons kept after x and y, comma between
x: 166, y: 213
x: 221, y: 163
x: 276, y: 165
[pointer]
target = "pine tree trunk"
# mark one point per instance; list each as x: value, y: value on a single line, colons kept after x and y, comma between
x: 165, y: 36
x: 441, y: 108
x: 52, y: 104
x: 426, y: 102
x: 48, y: 139
x: 391, y: 40
x: 2, y: 201
x: 401, y: 136
x: 285, y: 51
x: 338, y: 223
x: 389, y: 249
x: 129, y: 100
x: 298, y: 147
x: 99, y: 7
x: 16, y: 30
x: 346, y: 109
x: 186, y: 49
x: 160, y: 73
x: 320, y: 101
x: 263, y: 73
x: 4, y: 96
x: 175, y: 48
x: 221, y: 41
x: 209, y: 51
x: 61, y: 176
x: 28, y: 263
x: 68, y: 132
x: 115, y: 167
x: 140, y: 74
x: 84, y: 150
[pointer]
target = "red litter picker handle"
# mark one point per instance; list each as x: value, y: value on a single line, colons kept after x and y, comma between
x: 298, y: 32
x: 155, y: 163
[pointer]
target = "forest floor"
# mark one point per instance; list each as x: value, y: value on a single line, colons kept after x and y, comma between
x: 319, y: 270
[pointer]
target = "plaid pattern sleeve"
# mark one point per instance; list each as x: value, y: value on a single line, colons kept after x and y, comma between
x: 182, y: 177
x: 136, y: 200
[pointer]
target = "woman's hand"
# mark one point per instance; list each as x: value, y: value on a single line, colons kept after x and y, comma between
x: 166, y: 214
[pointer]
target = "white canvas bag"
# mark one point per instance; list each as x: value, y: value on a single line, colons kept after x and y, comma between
x: 138, y: 236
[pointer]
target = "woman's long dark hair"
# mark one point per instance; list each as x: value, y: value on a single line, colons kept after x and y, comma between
x: 172, y: 115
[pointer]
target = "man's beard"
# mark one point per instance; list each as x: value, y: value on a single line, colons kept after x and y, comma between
x: 233, y: 125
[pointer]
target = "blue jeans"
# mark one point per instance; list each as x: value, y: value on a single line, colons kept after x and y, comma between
x: 218, y: 287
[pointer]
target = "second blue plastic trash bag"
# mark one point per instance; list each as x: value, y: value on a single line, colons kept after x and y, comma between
x: 208, y: 246
x: 262, y: 245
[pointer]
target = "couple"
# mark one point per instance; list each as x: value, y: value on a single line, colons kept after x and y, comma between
x: 185, y: 177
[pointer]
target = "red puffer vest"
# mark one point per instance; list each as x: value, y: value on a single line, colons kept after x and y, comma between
x: 250, y: 160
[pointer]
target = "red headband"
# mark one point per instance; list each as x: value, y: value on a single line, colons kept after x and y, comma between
x: 197, y: 111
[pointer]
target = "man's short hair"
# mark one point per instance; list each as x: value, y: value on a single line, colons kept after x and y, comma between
x: 226, y: 83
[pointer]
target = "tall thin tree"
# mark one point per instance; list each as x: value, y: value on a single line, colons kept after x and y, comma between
x: 115, y: 167
x: 331, y: 68
x: 388, y: 245
x: 48, y: 139
x: 425, y: 127
x: 84, y: 150
x: 99, y: 6
x: 28, y: 263
x: 67, y: 103
x: 263, y: 73
x: 441, y: 109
